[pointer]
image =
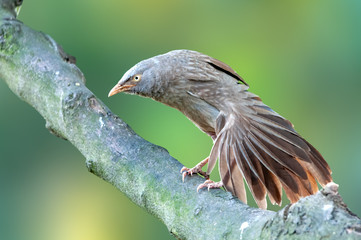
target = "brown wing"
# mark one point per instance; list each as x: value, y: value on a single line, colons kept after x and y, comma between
x: 203, y: 68
x: 260, y: 145
x: 221, y: 66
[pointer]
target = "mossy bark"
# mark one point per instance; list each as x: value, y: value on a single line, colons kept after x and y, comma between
x: 38, y: 71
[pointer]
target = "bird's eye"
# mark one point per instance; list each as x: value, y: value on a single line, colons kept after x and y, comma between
x: 137, y: 77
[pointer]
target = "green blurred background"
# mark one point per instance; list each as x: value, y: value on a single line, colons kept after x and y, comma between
x: 302, y: 57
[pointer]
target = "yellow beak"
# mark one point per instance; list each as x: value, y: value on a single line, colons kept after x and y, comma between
x: 119, y: 88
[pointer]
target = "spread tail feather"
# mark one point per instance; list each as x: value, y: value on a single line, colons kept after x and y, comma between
x: 260, y: 146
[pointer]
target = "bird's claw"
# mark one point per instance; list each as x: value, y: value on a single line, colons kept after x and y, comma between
x: 197, y: 169
x: 186, y: 171
x: 210, y: 184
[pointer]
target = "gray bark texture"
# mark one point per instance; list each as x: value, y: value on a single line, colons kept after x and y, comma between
x: 37, y: 70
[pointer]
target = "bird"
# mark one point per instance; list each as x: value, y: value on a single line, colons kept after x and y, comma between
x: 252, y: 143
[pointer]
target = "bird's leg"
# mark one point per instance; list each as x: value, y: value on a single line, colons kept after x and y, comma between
x: 210, y: 184
x: 197, y: 169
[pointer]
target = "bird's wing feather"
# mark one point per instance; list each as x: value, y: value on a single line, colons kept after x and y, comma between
x: 201, y: 67
x: 221, y: 66
x: 251, y: 140
x: 255, y: 142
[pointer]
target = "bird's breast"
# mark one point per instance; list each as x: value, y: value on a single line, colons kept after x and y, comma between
x: 201, y: 113
x: 200, y: 101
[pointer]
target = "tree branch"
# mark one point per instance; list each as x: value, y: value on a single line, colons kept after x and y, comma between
x: 38, y: 71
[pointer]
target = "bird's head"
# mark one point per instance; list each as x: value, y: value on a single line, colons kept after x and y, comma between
x: 140, y: 79
x: 151, y: 77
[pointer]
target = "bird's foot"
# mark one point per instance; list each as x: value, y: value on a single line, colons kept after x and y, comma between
x: 210, y: 184
x: 197, y: 169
